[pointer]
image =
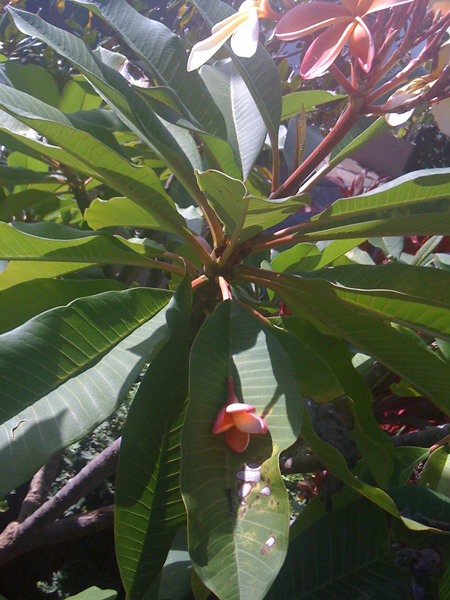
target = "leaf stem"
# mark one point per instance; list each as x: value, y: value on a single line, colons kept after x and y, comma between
x: 347, y: 120
x: 235, y: 236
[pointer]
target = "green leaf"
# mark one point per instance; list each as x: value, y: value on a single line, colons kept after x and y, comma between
x: 85, y: 357
x: 115, y: 90
x: 12, y: 176
x: 310, y: 100
x: 33, y: 80
x: 424, y: 505
x: 88, y: 154
x: 16, y: 308
x: 346, y: 554
x: 323, y: 365
x: 406, y: 355
x: 237, y: 505
x: 78, y: 95
x: 95, y: 593
x: 246, y: 130
x: 415, y: 204
x: 149, y: 507
x: 414, y: 296
x: 39, y: 250
x: 259, y: 72
x: 436, y: 474
x: 14, y: 203
x: 229, y: 198
x: 164, y: 54
x: 365, y: 131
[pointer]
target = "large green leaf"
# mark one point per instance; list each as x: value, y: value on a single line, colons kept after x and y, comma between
x: 64, y: 342
x: 237, y: 505
x: 114, y: 89
x: 72, y: 367
x: 415, y: 204
x: 229, y: 198
x: 16, y: 308
x: 85, y: 152
x: 149, y: 507
x: 34, y: 80
x: 39, y: 250
x: 325, y: 371
x: 407, y: 355
x: 246, y: 130
x: 414, y: 296
x: 259, y: 72
x: 346, y: 554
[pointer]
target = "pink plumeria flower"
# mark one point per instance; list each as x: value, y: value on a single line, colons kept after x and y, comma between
x: 237, y: 420
x: 345, y: 22
x: 242, y: 27
x: 416, y: 87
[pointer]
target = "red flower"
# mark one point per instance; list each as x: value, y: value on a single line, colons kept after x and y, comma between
x: 237, y: 420
x: 345, y: 22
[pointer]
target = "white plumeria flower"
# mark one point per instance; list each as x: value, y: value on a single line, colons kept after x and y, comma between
x: 416, y: 87
x: 242, y: 27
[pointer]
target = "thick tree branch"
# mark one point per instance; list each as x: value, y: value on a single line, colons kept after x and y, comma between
x: 18, y: 535
x: 39, y: 487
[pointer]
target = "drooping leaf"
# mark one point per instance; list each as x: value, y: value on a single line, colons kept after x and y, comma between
x: 16, y: 308
x: 85, y: 373
x: 12, y: 176
x: 149, y: 507
x: 229, y: 198
x: 238, y: 511
x: 34, y: 80
x: 345, y: 554
x: 406, y: 355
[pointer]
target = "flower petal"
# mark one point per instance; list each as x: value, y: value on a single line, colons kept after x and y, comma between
x: 204, y: 50
x: 395, y: 119
x: 309, y: 17
x: 361, y: 45
x: 380, y: 5
x: 442, y: 5
x: 237, y: 440
x: 249, y: 423
x: 443, y: 59
x: 239, y: 407
x: 223, y: 421
x: 441, y: 114
x: 325, y: 49
x: 244, y: 41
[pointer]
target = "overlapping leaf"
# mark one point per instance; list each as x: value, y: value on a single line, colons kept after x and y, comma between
x: 46, y: 250
x: 72, y: 367
x: 149, y: 508
x: 229, y: 198
x: 414, y: 204
x: 85, y: 152
x: 238, y: 511
x: 163, y: 53
x: 114, y: 89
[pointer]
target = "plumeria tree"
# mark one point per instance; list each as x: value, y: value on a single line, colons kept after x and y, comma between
x: 154, y: 229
